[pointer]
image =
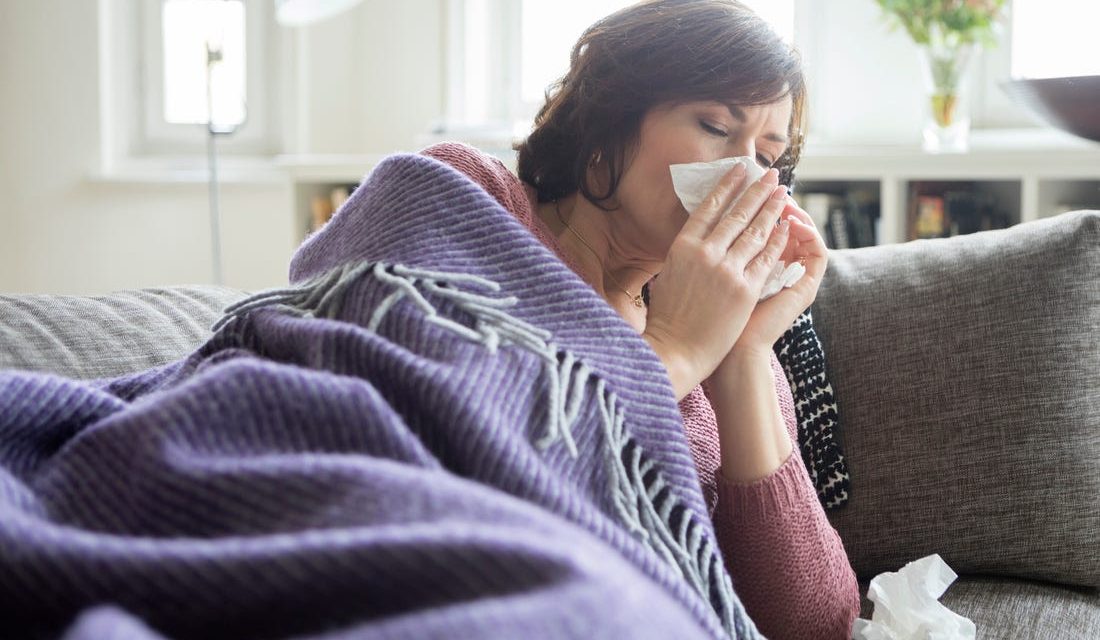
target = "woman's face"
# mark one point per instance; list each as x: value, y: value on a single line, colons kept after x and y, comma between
x: 691, y: 132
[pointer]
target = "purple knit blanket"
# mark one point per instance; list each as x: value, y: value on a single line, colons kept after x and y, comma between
x: 436, y: 431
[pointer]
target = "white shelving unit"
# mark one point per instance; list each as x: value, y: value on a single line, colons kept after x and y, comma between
x: 1028, y: 177
x: 1029, y: 174
x: 317, y: 175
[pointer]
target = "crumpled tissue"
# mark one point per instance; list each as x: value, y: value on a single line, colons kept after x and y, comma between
x: 907, y: 605
x: 695, y: 180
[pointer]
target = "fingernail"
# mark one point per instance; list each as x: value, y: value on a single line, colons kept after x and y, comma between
x: 771, y: 177
x: 738, y: 169
x: 780, y: 193
x: 784, y: 223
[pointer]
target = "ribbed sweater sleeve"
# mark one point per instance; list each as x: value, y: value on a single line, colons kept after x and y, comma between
x: 788, y: 564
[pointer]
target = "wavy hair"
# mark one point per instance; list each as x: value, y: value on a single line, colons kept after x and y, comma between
x: 653, y: 53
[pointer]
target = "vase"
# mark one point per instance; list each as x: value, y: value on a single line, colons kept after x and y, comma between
x: 947, y: 121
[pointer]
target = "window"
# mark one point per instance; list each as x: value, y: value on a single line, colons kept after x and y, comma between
x: 1040, y: 40
x: 172, y: 108
x: 190, y: 29
x: 534, y: 39
x: 548, y: 31
x: 1055, y: 38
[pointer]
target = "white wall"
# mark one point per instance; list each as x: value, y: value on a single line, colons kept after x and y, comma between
x: 366, y: 82
x: 373, y: 78
x: 866, y: 83
x: 853, y: 61
x: 63, y: 232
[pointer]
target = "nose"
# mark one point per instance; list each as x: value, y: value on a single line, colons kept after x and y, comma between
x: 743, y: 148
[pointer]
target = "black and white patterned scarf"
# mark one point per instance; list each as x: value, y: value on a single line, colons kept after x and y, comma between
x: 799, y: 352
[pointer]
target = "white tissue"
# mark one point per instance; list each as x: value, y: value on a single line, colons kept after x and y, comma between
x: 695, y: 180
x: 907, y: 605
x: 782, y: 276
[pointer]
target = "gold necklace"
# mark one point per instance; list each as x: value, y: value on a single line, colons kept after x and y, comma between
x: 635, y: 298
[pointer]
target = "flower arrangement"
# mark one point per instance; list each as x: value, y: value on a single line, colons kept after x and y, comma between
x: 952, y: 22
x: 947, y: 33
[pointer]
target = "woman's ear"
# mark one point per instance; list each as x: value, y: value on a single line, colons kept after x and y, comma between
x: 598, y: 177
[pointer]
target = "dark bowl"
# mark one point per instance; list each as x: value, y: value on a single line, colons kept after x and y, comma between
x: 1072, y: 104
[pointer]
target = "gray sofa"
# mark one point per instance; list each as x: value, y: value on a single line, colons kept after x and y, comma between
x: 967, y: 377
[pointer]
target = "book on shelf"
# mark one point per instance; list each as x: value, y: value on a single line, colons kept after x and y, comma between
x: 971, y: 211
x: 928, y: 217
x: 818, y: 206
x: 863, y: 211
x: 324, y: 206
x: 320, y: 209
x: 845, y: 221
x: 938, y: 210
x: 837, y: 228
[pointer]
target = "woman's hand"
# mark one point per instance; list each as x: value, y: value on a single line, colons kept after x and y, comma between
x: 713, y: 276
x: 771, y: 318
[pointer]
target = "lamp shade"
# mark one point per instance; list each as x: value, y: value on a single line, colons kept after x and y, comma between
x: 294, y: 13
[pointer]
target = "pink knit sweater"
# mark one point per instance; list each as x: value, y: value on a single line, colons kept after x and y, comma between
x: 788, y: 564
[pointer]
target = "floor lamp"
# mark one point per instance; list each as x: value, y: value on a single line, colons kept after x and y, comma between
x: 213, y: 57
x: 287, y: 12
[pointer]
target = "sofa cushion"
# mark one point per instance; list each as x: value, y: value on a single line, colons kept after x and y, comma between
x: 109, y: 335
x: 967, y: 377
x: 1011, y: 609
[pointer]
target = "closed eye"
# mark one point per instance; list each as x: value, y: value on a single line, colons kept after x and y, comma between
x: 762, y: 160
x: 713, y: 130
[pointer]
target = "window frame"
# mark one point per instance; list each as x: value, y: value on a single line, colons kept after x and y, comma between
x: 503, y: 78
x: 257, y: 135
x: 991, y: 107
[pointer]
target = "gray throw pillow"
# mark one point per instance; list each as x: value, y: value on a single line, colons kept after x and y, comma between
x: 104, y: 336
x: 967, y: 377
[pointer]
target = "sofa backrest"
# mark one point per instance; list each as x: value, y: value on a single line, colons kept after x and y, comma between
x: 967, y: 377
x: 109, y: 335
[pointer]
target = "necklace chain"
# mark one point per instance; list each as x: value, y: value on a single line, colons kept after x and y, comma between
x: 635, y: 298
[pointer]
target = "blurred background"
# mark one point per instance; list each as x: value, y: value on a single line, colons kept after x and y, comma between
x: 110, y: 110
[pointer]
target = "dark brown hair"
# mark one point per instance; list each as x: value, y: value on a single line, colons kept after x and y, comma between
x: 653, y: 53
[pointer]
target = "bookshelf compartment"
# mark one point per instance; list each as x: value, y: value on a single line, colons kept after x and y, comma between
x: 945, y: 208
x: 315, y: 202
x: 848, y: 213
x: 1060, y: 196
x: 1023, y: 184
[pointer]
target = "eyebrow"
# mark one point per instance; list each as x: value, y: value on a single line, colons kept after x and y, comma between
x: 739, y: 115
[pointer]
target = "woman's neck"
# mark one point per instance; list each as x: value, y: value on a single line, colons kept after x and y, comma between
x: 605, y: 264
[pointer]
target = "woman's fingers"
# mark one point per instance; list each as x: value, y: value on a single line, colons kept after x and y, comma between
x: 804, y: 230
x: 703, y: 219
x: 754, y: 236
x: 744, y: 216
x: 759, y: 267
x: 794, y: 210
x: 811, y: 250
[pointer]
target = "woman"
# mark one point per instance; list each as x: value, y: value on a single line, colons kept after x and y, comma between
x: 667, y: 82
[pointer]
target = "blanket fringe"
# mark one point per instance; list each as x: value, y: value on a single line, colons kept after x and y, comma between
x: 688, y: 550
